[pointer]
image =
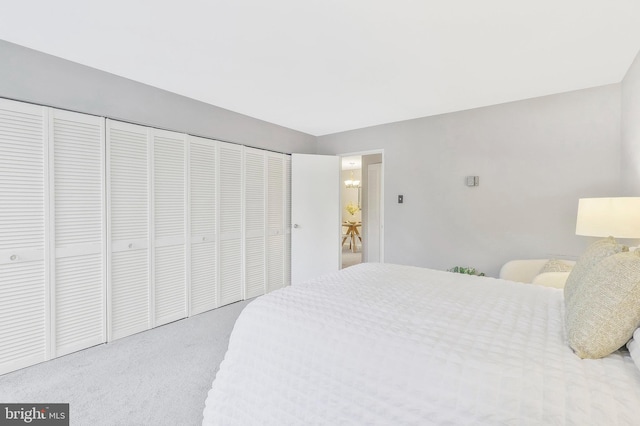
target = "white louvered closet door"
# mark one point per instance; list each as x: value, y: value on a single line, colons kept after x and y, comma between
x: 169, y: 223
x: 254, y: 222
x: 275, y: 221
x: 287, y: 222
x: 230, y: 223
x: 128, y: 211
x: 23, y: 215
x: 203, y: 221
x: 78, y: 269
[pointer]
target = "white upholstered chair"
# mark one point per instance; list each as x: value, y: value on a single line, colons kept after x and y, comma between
x: 529, y: 271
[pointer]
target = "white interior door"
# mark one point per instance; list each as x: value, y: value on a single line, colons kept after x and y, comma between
x: 315, y: 211
x: 230, y: 203
x: 169, y: 285
x: 128, y: 199
x: 374, y: 221
x: 203, y: 223
x: 275, y: 221
x: 23, y: 254
x: 254, y: 222
x: 78, y: 232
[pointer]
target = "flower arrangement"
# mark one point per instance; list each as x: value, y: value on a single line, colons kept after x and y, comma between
x: 468, y: 271
x: 352, y: 209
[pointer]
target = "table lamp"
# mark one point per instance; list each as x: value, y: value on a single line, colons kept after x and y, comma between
x: 618, y: 217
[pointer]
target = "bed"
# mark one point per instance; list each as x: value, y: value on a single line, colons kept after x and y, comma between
x: 398, y: 345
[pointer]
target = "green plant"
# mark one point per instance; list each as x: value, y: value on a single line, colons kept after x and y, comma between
x: 468, y: 271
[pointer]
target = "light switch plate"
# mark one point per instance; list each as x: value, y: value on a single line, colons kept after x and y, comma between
x: 400, y: 199
x: 472, y: 180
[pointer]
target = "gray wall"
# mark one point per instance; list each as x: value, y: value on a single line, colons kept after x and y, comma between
x: 32, y: 76
x: 631, y: 130
x: 535, y: 158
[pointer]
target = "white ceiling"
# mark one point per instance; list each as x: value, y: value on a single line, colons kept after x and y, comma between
x: 324, y: 66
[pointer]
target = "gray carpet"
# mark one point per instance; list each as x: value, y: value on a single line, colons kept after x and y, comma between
x: 349, y: 258
x: 158, y: 377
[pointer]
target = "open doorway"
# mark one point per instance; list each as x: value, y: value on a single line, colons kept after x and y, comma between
x: 362, y: 209
x: 351, y: 207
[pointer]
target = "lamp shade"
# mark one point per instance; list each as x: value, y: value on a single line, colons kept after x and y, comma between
x: 602, y: 217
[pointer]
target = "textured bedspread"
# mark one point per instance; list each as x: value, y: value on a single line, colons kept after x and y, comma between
x: 394, y: 345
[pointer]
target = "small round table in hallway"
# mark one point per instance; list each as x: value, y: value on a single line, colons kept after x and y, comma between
x: 351, y: 234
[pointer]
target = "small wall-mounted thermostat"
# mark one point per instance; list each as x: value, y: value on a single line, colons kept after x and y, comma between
x: 473, y: 180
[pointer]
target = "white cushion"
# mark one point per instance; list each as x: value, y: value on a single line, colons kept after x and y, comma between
x: 634, y: 347
x: 551, y: 279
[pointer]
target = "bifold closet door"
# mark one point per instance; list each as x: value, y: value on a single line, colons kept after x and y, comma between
x: 203, y: 221
x: 287, y: 222
x: 78, y: 279
x: 275, y: 221
x: 24, y: 300
x: 128, y: 190
x: 169, y: 286
x: 254, y: 222
x: 230, y: 223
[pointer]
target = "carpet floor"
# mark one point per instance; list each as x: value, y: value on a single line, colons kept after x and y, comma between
x: 350, y: 258
x: 158, y: 377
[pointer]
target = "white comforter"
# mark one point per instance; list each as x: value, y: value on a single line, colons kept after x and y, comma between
x: 395, y: 345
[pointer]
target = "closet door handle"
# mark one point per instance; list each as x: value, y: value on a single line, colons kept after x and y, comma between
x: 295, y: 225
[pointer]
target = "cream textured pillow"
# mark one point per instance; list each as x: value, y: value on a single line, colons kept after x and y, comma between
x: 603, y: 315
x: 592, y: 255
x: 555, y: 265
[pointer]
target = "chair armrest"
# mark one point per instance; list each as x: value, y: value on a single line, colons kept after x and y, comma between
x: 551, y: 279
x: 522, y: 270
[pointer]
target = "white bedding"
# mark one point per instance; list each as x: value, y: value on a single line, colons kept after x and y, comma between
x: 393, y: 345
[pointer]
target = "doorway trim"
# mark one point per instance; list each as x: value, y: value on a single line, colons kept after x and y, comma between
x: 382, y: 227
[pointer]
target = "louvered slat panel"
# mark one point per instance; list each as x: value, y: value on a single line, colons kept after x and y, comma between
x: 275, y: 259
x: 230, y: 166
x: 203, y: 277
x: 22, y: 315
x: 230, y: 216
x: 287, y: 215
x: 129, y: 183
x: 230, y: 271
x: 21, y: 176
x: 275, y: 189
x: 204, y: 271
x: 170, y: 296
x: 23, y: 284
x: 79, y: 309
x: 129, y: 220
x: 254, y: 208
x: 129, y: 292
x: 169, y: 195
x: 169, y: 224
x: 78, y: 178
x: 78, y: 305
x: 203, y: 187
x: 254, y: 196
x: 275, y: 221
x: 254, y: 275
